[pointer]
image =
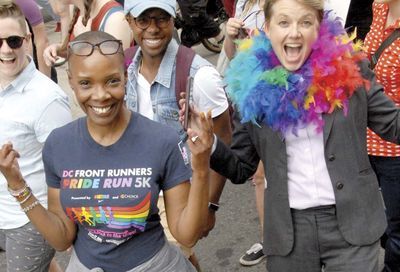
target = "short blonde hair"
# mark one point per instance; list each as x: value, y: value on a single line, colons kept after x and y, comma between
x: 318, y: 5
x: 8, y: 9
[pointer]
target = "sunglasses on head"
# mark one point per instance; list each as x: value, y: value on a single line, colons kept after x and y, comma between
x: 14, y: 42
x: 82, y: 48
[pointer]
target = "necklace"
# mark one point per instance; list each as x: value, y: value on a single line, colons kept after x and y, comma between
x: 264, y: 91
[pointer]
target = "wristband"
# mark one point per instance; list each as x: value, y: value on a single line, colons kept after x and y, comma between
x: 24, y: 194
x: 17, y: 193
x: 30, y: 206
x: 26, y: 198
x: 213, y: 207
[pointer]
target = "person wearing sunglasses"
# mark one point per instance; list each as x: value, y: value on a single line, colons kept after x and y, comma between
x: 151, y: 87
x: 31, y: 106
x: 104, y: 184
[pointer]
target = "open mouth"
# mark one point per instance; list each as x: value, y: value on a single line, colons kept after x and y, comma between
x: 101, y: 110
x: 152, y: 42
x: 293, y: 51
x: 7, y: 60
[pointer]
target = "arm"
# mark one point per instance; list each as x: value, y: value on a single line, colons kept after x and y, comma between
x: 118, y: 26
x: 240, y: 161
x: 232, y: 33
x: 53, y: 224
x: 41, y: 42
x: 187, y: 204
x: 62, y: 9
x: 209, y: 93
x: 222, y: 128
x: 237, y: 163
x: 51, y: 52
x: 383, y: 115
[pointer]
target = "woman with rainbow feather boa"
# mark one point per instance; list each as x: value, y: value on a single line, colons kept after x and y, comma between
x: 304, y: 96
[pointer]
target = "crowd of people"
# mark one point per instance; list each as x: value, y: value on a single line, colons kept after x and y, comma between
x: 296, y: 105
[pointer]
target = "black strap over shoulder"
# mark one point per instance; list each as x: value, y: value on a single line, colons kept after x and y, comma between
x: 388, y: 41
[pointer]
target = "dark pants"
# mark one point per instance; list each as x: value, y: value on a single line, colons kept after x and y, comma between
x: 387, y: 170
x: 318, y: 243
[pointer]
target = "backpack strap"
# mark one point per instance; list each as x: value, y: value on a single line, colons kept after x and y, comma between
x: 388, y: 41
x: 184, y: 59
x: 107, y: 9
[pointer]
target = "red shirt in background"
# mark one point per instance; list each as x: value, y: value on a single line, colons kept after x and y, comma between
x: 387, y: 72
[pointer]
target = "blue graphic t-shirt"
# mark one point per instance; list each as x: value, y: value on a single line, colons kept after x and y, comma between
x: 111, y: 192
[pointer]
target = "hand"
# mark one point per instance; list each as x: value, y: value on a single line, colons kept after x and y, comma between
x: 50, y: 54
x: 9, y: 166
x: 200, y: 139
x: 200, y: 134
x: 210, y: 224
x: 233, y: 27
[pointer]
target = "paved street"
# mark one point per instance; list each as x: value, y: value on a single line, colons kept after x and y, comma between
x: 237, y: 223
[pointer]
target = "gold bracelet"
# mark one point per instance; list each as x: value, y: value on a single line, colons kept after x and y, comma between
x: 31, y: 206
x: 26, y: 198
x: 24, y: 194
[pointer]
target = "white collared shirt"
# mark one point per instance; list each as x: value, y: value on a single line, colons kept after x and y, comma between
x: 309, y: 183
x: 31, y: 106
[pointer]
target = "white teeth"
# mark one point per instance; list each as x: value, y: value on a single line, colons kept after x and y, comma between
x: 152, y: 41
x: 7, y: 59
x: 293, y: 45
x: 101, y: 110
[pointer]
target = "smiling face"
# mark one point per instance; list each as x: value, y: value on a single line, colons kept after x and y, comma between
x: 154, y: 39
x: 292, y: 29
x: 98, y: 82
x: 12, y: 61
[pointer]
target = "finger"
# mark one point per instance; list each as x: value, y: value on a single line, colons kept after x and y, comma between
x: 205, y: 122
x: 5, y: 149
x: 48, y: 59
x: 181, y: 102
x: 16, y: 153
x: 11, y: 156
x: 192, y: 136
x: 202, y: 129
x: 210, y: 121
x: 10, y: 159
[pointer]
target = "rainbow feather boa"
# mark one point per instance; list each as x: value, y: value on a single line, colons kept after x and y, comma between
x: 263, y: 91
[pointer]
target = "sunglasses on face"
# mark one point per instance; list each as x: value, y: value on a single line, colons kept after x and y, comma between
x: 107, y: 47
x: 144, y: 21
x: 14, y: 42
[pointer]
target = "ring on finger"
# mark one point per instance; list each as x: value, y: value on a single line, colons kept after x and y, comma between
x: 194, y: 138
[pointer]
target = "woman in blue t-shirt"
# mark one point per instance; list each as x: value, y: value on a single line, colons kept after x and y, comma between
x: 105, y: 171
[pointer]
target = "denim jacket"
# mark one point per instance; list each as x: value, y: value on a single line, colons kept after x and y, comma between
x: 162, y: 91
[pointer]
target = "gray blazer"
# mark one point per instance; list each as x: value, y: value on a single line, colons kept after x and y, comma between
x: 359, y: 206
